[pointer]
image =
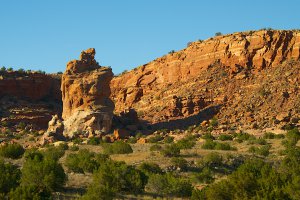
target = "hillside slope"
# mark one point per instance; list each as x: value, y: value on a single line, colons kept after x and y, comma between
x: 247, y: 79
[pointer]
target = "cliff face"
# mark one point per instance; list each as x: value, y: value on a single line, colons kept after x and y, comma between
x: 208, y: 72
x: 32, y: 86
x: 85, y: 93
x: 29, y: 97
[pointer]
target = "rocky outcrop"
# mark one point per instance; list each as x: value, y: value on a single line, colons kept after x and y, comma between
x: 30, y: 86
x: 29, y: 97
x: 54, y: 131
x: 216, y: 71
x: 85, y: 93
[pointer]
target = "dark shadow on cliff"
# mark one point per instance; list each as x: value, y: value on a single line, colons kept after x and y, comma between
x: 205, y: 114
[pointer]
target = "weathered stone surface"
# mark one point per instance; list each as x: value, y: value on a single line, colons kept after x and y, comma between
x: 85, y: 94
x: 54, y: 131
x: 252, y: 70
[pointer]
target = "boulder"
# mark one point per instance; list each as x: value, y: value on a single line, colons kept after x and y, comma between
x: 54, y: 131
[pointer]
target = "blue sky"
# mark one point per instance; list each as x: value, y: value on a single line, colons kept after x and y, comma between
x: 47, y: 34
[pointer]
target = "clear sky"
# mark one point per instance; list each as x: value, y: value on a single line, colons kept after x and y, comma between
x: 46, y: 34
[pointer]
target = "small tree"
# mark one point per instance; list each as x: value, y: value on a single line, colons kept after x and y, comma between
x: 42, y: 173
x: 9, y: 177
x: 218, y: 34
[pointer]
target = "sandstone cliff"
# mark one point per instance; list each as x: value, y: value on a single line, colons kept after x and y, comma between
x: 31, y: 98
x: 229, y: 70
x: 85, y: 93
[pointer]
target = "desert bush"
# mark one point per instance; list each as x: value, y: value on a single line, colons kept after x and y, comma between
x: 269, y: 135
x: 118, y: 147
x: 54, y: 153
x: 156, y: 147
x: 205, y: 176
x: 254, y: 179
x: 224, y: 137
x: 155, y: 139
x: 218, y: 34
x: 209, y: 144
x: 208, y: 136
x: 169, y: 185
x: 83, y: 161
x: 150, y: 168
x: 43, y: 173
x: 293, y: 136
x: 77, y: 140
x: 74, y: 148
x: 171, y: 150
x: 94, y: 141
x: 211, y: 160
x: 180, y: 163
x: 9, y: 177
x: 27, y: 192
x: 186, y: 143
x: 259, y: 141
x: 168, y: 139
x: 240, y: 137
x: 224, y: 146
x: 263, y: 151
x: 13, y: 151
x: 114, y: 177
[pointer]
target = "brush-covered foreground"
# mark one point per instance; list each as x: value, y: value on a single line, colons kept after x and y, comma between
x: 228, y: 166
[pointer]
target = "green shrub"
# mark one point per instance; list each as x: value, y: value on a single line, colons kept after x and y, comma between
x: 269, y: 135
x: 155, y: 139
x: 169, y: 185
x: 208, y: 136
x: 293, y: 136
x: 168, y: 139
x: 13, y: 151
x: 171, y: 150
x: 180, y: 163
x: 218, y: 34
x: 211, y: 160
x: 9, y: 177
x: 259, y: 141
x: 240, y: 137
x: 114, y: 177
x: 74, y: 148
x: 209, y: 144
x: 213, y: 122
x: 224, y: 137
x: 205, y: 176
x: 186, y: 143
x: 156, y: 147
x: 118, y: 147
x: 263, y: 151
x: 150, y: 168
x: 94, y: 141
x: 83, y: 161
x: 77, y: 140
x: 253, y: 180
x: 224, y: 146
x: 43, y: 173
x: 27, y: 192
x: 54, y: 153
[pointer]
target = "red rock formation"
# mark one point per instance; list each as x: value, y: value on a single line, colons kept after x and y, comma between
x: 85, y: 94
x: 31, y: 86
x: 205, y: 72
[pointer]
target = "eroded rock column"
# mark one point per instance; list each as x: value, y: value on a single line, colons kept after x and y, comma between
x: 85, y: 93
